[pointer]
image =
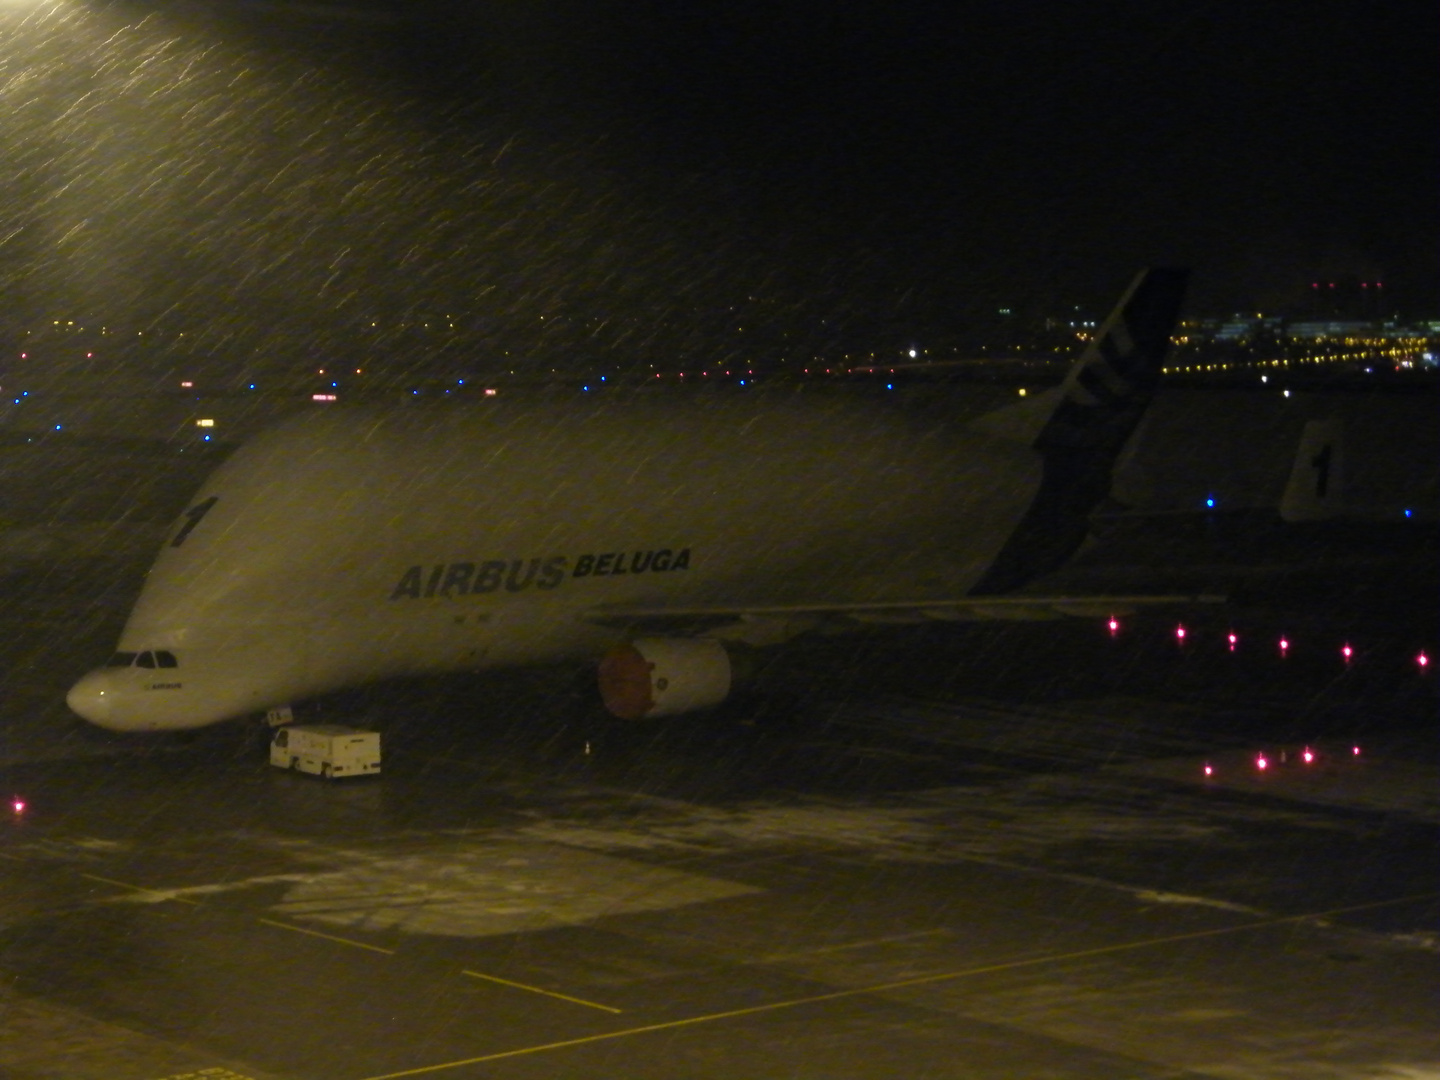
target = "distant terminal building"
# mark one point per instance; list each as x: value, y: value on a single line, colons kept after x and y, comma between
x: 1241, y: 327
x: 1334, y: 328
x: 1248, y: 328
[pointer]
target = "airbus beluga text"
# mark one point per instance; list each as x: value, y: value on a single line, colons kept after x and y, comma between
x: 659, y: 535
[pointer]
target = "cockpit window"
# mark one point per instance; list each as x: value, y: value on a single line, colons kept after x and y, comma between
x: 165, y: 658
x: 146, y: 659
x: 121, y: 659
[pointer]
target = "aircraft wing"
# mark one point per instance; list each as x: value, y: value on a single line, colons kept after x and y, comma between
x: 971, y: 608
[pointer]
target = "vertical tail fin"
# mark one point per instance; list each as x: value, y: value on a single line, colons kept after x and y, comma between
x: 1082, y: 426
x: 1314, y: 492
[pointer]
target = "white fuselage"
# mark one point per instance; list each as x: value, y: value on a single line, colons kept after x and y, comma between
x: 352, y: 545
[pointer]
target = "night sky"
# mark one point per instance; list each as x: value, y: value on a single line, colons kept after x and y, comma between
x: 650, y: 176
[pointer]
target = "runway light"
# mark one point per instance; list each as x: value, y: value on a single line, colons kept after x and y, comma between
x: 1347, y: 652
x: 1262, y: 762
x: 1355, y: 751
x: 1307, y: 755
x: 17, y: 805
x: 1423, y: 661
x: 1209, y: 769
x: 1114, y: 626
x: 1284, y: 646
x: 1234, y: 640
x: 1180, y: 635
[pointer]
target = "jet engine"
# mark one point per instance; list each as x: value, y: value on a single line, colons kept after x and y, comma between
x: 664, y: 676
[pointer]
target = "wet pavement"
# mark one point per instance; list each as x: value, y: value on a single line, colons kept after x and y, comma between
x: 954, y: 852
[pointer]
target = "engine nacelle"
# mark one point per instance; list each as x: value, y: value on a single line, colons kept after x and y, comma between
x: 664, y: 676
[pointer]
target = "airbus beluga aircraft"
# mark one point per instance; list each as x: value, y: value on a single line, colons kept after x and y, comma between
x: 658, y: 536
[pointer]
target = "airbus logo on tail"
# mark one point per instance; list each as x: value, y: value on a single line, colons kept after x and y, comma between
x: 517, y: 575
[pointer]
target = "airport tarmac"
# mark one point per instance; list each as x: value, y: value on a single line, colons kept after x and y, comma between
x: 946, y: 852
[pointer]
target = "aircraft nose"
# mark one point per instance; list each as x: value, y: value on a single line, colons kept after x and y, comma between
x: 91, y: 697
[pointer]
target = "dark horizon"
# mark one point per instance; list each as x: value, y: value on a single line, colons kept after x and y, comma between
x: 279, y: 173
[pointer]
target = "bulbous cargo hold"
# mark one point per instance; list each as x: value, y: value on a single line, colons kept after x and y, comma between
x: 351, y: 545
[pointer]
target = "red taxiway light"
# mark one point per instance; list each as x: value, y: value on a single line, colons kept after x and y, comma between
x: 1234, y: 640
x: 1308, y: 755
x: 1209, y: 770
x: 1262, y: 762
x: 1284, y: 646
x: 17, y: 805
x: 1347, y: 652
x: 1180, y: 634
x: 1423, y: 661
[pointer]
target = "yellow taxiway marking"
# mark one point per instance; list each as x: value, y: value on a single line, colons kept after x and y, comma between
x: 327, y: 937
x: 537, y: 990
x: 163, y: 894
x: 923, y: 980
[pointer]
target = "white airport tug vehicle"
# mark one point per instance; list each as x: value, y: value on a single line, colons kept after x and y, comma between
x: 328, y: 750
